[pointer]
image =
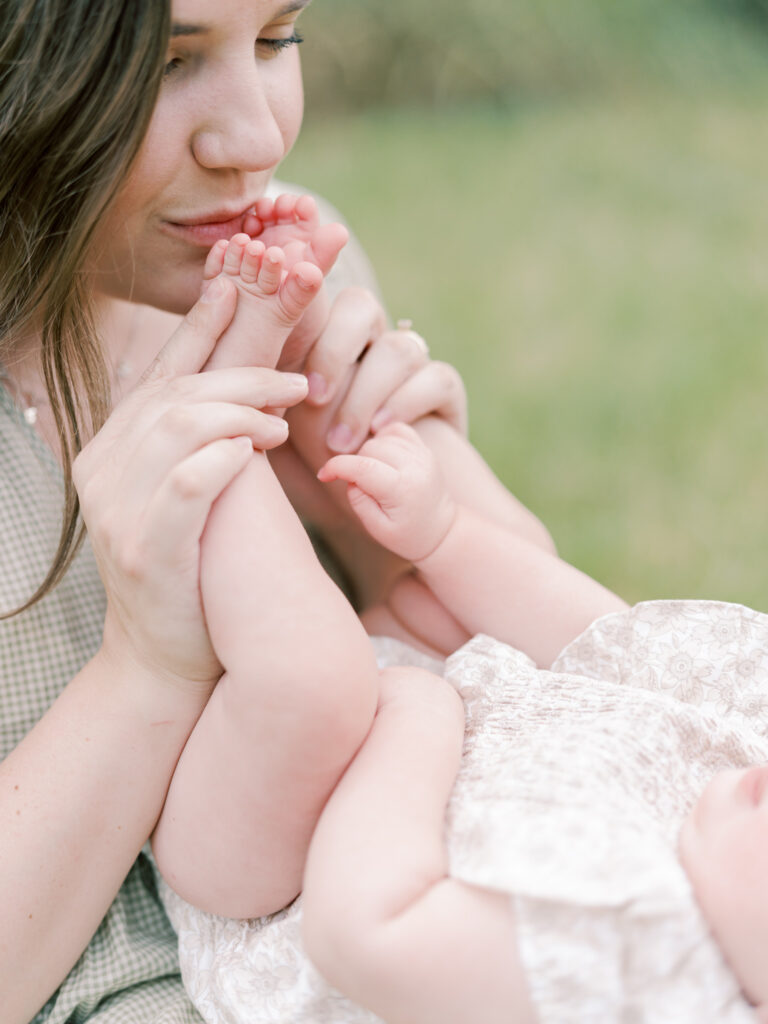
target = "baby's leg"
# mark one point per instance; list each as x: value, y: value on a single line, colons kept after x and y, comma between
x: 298, y: 693
x: 295, y: 702
x: 382, y: 921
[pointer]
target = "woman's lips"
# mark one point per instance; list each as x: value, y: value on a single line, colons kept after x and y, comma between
x: 206, y: 233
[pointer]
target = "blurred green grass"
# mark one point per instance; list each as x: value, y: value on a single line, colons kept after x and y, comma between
x: 396, y: 52
x: 596, y: 265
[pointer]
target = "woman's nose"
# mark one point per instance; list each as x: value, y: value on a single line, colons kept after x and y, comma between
x: 240, y: 128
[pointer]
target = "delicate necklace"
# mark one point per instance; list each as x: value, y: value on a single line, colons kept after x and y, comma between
x: 30, y: 402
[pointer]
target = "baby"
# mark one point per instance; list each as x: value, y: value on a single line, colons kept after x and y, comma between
x: 380, y: 908
x: 384, y: 918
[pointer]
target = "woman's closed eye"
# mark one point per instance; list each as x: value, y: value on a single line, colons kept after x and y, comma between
x: 277, y: 45
x: 172, y: 66
x: 266, y: 47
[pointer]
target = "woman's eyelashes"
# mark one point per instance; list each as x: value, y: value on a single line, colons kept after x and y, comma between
x: 264, y: 47
x: 172, y: 66
x: 279, y: 44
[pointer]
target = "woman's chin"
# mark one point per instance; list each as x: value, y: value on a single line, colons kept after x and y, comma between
x: 172, y: 293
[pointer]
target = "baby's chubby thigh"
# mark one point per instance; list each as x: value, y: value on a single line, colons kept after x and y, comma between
x: 382, y: 920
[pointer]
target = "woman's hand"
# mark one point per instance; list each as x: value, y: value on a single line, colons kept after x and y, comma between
x: 361, y: 376
x: 384, y: 375
x: 147, y: 481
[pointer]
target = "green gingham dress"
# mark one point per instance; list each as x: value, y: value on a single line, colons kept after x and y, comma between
x: 129, y: 974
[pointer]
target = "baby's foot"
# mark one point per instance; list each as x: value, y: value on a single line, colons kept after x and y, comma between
x: 293, y: 223
x: 272, y: 298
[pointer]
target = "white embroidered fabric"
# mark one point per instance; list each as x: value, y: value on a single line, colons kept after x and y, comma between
x: 570, y: 795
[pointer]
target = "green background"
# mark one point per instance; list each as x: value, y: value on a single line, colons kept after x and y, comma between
x: 571, y: 201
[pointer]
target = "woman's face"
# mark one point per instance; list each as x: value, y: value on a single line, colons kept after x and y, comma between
x: 229, y: 110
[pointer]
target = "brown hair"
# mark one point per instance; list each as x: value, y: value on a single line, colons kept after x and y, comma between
x: 78, y: 83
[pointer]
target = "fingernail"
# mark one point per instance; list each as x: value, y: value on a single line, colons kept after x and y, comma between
x: 296, y: 380
x: 215, y: 290
x: 318, y: 386
x: 381, y: 419
x: 339, y: 437
x: 277, y: 424
x: 244, y: 442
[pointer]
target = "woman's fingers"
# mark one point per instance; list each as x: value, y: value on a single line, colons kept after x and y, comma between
x: 376, y: 376
x: 176, y: 515
x: 189, y: 347
x: 256, y: 386
x: 392, y: 360
x: 436, y: 389
x: 355, y: 320
x: 136, y: 471
x: 179, y: 405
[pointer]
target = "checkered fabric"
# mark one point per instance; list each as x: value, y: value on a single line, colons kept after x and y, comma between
x: 129, y: 973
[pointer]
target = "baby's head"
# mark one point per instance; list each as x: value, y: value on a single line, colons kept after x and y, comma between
x: 724, y: 850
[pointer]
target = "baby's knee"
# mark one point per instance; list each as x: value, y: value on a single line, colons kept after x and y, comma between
x: 415, y: 687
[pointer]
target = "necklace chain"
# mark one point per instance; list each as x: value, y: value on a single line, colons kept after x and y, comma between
x: 30, y: 403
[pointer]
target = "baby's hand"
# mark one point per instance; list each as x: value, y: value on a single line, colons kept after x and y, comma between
x: 397, y: 491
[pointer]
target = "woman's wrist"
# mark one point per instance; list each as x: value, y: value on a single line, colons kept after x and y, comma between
x: 152, y: 693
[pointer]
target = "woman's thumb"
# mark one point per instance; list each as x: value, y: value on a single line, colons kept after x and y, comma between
x: 188, y: 348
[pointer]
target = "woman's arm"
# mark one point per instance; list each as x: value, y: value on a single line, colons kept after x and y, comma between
x: 80, y: 794
x: 78, y: 798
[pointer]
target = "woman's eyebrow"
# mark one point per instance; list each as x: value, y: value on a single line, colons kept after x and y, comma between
x: 188, y: 30
x: 181, y: 29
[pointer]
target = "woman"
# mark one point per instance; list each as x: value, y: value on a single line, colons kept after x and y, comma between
x: 131, y: 137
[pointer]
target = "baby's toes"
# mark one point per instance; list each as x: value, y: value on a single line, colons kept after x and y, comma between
x: 285, y: 209
x: 272, y: 269
x: 253, y: 256
x: 301, y: 285
x: 306, y: 211
x: 233, y: 257
x: 326, y: 244
x: 252, y: 225
x: 264, y: 210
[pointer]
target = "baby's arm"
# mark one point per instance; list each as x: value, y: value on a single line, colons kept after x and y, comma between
x: 382, y: 920
x: 491, y: 579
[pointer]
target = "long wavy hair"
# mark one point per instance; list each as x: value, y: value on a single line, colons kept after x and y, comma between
x: 78, y: 83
